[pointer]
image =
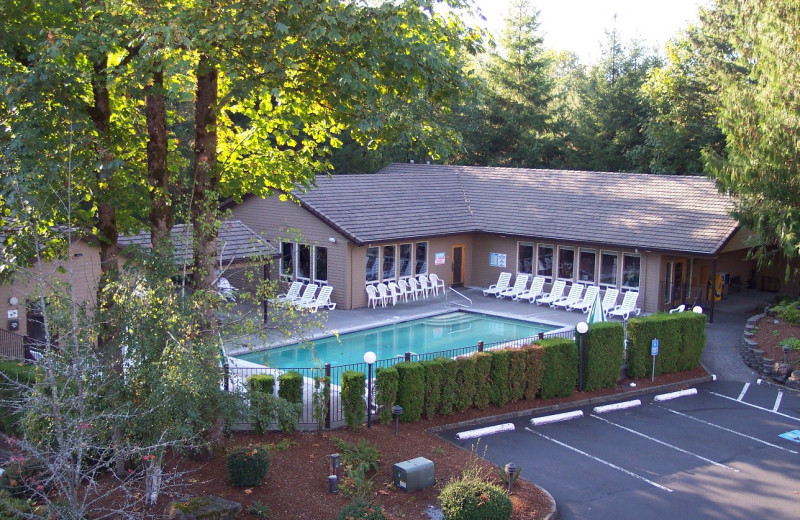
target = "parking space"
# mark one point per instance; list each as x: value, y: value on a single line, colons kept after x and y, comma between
x: 717, y: 454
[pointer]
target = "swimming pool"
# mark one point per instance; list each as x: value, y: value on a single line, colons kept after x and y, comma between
x: 433, y: 334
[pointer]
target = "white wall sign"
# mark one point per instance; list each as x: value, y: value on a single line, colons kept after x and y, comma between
x: 12, y: 314
x: 438, y: 259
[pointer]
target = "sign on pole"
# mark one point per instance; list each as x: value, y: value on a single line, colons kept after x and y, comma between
x: 654, y: 353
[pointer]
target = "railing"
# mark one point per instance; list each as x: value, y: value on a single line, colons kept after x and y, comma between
x: 236, y: 378
x: 446, y: 301
x: 13, y: 346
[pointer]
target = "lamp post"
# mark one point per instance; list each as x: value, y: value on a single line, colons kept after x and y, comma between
x: 369, y: 359
x: 397, y: 411
x: 582, y: 328
x: 511, y: 470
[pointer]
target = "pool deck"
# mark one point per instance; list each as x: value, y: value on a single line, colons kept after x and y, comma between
x: 342, y: 321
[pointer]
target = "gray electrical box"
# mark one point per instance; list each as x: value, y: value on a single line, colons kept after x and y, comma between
x: 414, y: 474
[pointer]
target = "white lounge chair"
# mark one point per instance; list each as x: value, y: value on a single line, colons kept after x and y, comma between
x: 519, y: 287
x: 679, y: 308
x: 395, y: 294
x: 436, y: 283
x: 502, y: 284
x: 226, y: 290
x: 610, y: 300
x: 308, y: 295
x: 627, y: 306
x: 574, y: 295
x: 424, y: 285
x: 534, y: 292
x: 383, y: 293
x: 323, y: 299
x: 289, y: 296
x: 372, y: 297
x: 585, y: 304
x: 416, y: 290
x: 555, y: 294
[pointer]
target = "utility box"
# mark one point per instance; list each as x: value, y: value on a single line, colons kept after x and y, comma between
x: 414, y: 474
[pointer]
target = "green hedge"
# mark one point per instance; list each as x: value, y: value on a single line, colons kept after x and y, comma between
x: 518, y: 366
x: 560, y: 363
x: 290, y: 386
x: 603, y: 353
x: 433, y: 387
x: 534, y: 370
x: 25, y: 374
x: 261, y: 383
x: 466, y: 381
x: 483, y: 382
x: 500, y: 391
x: 411, y: 390
x: 449, y: 385
x: 681, y: 337
x: 353, y: 404
x: 386, y: 384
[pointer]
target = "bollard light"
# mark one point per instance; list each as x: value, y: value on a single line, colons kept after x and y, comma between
x: 786, y: 349
x: 511, y: 470
x: 335, y: 462
x: 333, y: 484
x: 369, y: 359
x: 397, y: 411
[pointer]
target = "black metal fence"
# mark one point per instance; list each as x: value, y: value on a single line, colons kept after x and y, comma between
x: 236, y: 377
x: 13, y: 346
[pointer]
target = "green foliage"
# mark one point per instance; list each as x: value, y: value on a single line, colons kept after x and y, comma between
x: 290, y: 386
x: 247, y: 465
x: 433, y: 387
x: 15, y: 377
x: 267, y: 409
x: 386, y: 384
x: 470, y: 497
x: 466, y: 382
x: 411, y: 390
x: 788, y: 311
x: 792, y: 343
x: 360, y: 510
x: 261, y: 383
x: 450, y: 389
x: 603, y: 352
x: 500, y: 392
x: 353, y: 385
x: 320, y: 399
x: 13, y: 508
x: 260, y: 509
x: 483, y: 382
x: 681, y: 336
x: 534, y: 370
x: 357, y: 461
x: 560, y: 367
x: 518, y: 367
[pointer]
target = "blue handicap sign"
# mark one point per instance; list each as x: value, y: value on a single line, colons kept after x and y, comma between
x: 793, y: 435
x: 654, y: 347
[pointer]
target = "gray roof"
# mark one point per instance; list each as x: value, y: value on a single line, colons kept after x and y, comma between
x: 658, y: 212
x: 235, y: 242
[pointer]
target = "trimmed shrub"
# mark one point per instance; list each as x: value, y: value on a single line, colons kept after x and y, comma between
x: 681, y: 338
x: 261, y: 383
x: 483, y: 383
x: 560, y: 364
x: 500, y: 392
x: 290, y: 386
x: 360, y: 511
x: 353, y: 385
x: 534, y: 370
x: 25, y: 374
x: 470, y: 498
x: 518, y: 366
x: 450, y: 388
x: 466, y: 382
x: 247, y: 465
x: 410, y: 390
x: 266, y: 409
x: 433, y: 387
x: 603, y: 352
x: 386, y: 384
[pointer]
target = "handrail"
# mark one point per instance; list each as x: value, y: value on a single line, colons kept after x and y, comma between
x: 458, y: 293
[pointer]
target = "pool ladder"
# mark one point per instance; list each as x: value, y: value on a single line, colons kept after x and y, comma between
x: 457, y: 303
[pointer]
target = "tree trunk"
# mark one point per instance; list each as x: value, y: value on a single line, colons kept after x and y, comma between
x: 157, y: 171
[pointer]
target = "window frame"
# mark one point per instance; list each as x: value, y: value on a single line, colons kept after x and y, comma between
x: 377, y: 264
x: 315, y: 265
x: 308, y: 248
x: 615, y: 254
x: 282, y: 271
x: 424, y: 270
x: 520, y: 260
x: 558, y: 263
x: 393, y: 277
x: 539, y: 272
x: 411, y: 262
x: 593, y: 279
x: 638, y: 276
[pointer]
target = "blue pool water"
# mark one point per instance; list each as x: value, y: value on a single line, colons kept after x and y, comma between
x: 446, y: 331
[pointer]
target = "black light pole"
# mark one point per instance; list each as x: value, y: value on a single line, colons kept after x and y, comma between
x: 582, y: 328
x: 369, y: 359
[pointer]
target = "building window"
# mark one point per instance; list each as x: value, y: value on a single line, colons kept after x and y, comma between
x: 566, y: 263
x: 544, y: 261
x: 405, y: 260
x: 524, y: 258
x: 608, y: 268
x: 389, y: 264
x: 372, y: 264
x: 421, y: 266
x: 631, y: 266
x: 303, y: 262
x: 287, y: 259
x: 320, y: 264
x: 586, y: 265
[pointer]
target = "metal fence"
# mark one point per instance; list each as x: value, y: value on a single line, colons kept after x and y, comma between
x: 236, y: 377
x: 13, y: 346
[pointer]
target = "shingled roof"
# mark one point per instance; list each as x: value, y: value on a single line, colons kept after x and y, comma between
x: 235, y: 242
x: 403, y: 201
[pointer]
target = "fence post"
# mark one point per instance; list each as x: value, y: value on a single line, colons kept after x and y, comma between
x: 226, y: 370
x: 480, y: 346
x: 327, y: 389
x: 408, y: 356
x: 541, y: 336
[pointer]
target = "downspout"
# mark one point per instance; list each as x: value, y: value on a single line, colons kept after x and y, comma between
x: 713, y: 291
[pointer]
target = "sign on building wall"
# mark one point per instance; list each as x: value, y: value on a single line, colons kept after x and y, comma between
x: 497, y: 259
x: 438, y: 259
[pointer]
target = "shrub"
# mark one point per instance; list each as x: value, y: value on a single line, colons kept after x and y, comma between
x: 266, y: 409
x: 483, y: 384
x: 24, y: 478
x: 433, y: 387
x: 320, y: 398
x: 353, y: 398
x: 792, y: 343
x: 357, y: 460
x: 466, y: 382
x: 290, y: 386
x: 500, y: 392
x: 260, y: 509
x: 534, y: 370
x: 603, y: 352
x: 261, y: 383
x: 247, y: 465
x: 386, y: 382
x: 12, y: 373
x: 450, y: 388
x: 560, y: 365
x: 517, y: 368
x: 788, y: 311
x: 411, y: 390
x: 471, y: 498
x: 681, y: 338
x: 360, y: 510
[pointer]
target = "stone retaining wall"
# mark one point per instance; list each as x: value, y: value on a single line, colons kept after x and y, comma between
x: 769, y: 368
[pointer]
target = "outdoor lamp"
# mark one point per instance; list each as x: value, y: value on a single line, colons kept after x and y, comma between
x: 582, y: 328
x: 786, y: 349
x: 697, y: 309
x: 369, y: 359
x: 511, y: 470
x: 397, y: 411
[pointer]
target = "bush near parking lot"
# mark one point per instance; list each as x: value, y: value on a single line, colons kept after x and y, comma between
x: 483, y: 382
x: 681, y: 338
x: 560, y: 365
x: 449, y: 385
x: 603, y: 351
x: 534, y: 370
x: 411, y: 390
x: 500, y: 390
x: 353, y: 398
x: 386, y: 383
x: 433, y: 387
x: 467, y: 383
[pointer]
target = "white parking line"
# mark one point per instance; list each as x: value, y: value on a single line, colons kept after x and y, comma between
x: 727, y: 430
x: 601, y: 461
x: 757, y: 407
x: 668, y: 445
x: 744, y: 391
x: 777, y: 402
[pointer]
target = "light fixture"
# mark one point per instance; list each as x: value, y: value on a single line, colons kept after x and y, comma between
x: 369, y: 359
x: 697, y: 309
x: 582, y: 328
x: 397, y: 411
x: 13, y: 300
x: 512, y: 470
x: 332, y: 240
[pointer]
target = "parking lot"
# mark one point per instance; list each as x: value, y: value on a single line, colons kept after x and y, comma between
x: 730, y: 451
